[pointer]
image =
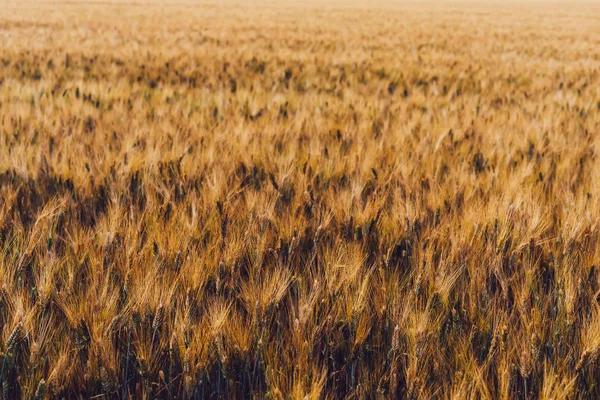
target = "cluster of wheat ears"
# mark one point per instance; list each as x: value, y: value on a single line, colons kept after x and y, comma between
x: 299, y: 201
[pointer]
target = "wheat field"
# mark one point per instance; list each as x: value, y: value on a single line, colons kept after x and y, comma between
x: 282, y: 200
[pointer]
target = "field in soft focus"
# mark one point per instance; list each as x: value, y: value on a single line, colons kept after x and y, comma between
x: 279, y: 200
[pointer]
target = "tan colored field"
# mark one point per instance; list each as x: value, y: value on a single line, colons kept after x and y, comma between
x: 279, y: 200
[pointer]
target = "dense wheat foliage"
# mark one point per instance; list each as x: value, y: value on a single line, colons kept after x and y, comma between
x: 299, y: 201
